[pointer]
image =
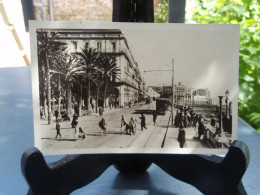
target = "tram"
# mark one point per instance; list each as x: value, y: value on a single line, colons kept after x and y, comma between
x: 162, y: 105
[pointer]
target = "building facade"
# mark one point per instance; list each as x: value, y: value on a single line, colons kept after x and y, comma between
x: 166, y: 91
x: 130, y: 85
x: 152, y: 93
x: 203, y: 92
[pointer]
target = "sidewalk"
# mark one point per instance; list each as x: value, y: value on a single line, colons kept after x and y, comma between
x: 154, y: 135
x: 171, y: 140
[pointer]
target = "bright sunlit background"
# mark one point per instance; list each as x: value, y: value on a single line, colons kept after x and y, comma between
x: 11, y: 55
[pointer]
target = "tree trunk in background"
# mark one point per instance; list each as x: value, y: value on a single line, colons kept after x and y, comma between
x: 97, y: 97
x: 80, y: 99
x: 105, y: 93
x: 88, y: 93
x: 59, y: 97
x: 48, y: 91
x: 68, y: 97
x: 45, y: 110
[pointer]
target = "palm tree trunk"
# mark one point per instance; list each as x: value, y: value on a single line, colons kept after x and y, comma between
x: 97, y: 97
x: 105, y: 93
x: 48, y: 90
x: 45, y: 107
x: 68, y: 97
x: 88, y: 94
x: 59, y: 92
x: 80, y: 99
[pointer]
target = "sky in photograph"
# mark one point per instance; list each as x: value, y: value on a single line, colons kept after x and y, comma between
x: 205, y: 56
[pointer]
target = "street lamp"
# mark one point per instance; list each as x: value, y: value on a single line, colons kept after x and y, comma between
x: 229, y: 108
x: 220, y: 114
x: 227, y: 95
x: 193, y: 94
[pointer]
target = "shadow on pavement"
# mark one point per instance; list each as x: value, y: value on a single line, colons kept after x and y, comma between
x: 93, y: 134
x: 149, y: 112
x: 59, y: 139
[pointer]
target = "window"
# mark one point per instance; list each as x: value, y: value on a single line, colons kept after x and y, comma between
x: 113, y: 46
x: 99, y: 46
x: 75, y: 45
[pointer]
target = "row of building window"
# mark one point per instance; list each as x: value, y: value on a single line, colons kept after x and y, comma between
x: 99, y: 46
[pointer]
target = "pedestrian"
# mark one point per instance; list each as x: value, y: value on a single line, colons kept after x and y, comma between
x: 58, y: 129
x: 181, y: 136
x: 76, y: 133
x: 102, y: 125
x: 201, y: 128
x: 132, y: 126
x: 184, y: 120
x: 123, y: 124
x: 81, y: 133
x: 75, y: 117
x: 56, y: 114
x: 76, y: 109
x: 91, y: 104
x: 66, y: 116
x: 143, y: 122
x: 188, y: 119
x: 154, y: 118
x: 225, y: 122
x: 41, y: 113
x: 195, y: 120
x: 212, y: 121
x: 100, y: 110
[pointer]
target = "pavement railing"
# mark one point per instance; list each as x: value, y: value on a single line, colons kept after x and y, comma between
x: 213, y: 140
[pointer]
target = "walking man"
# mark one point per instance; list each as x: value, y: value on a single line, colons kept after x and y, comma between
x: 143, y: 122
x: 154, y: 118
x: 181, y: 136
x: 75, y: 118
x: 132, y: 126
x: 123, y: 124
x: 102, y: 125
x: 56, y: 114
x: 58, y: 129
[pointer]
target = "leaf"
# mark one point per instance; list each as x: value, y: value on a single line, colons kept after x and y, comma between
x: 255, y: 117
x: 238, y: 9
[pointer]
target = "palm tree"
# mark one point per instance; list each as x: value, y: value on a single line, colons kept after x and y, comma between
x: 110, y: 71
x: 71, y: 69
x: 97, y: 81
x: 48, y: 48
x: 90, y: 58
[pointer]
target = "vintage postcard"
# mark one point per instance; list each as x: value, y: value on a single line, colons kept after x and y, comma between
x: 134, y: 87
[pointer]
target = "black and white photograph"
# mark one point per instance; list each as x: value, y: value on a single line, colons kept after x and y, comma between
x: 134, y: 88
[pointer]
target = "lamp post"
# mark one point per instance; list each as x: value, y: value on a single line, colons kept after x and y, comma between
x: 229, y: 109
x: 220, y: 114
x: 172, y: 89
x: 227, y: 95
x: 193, y: 94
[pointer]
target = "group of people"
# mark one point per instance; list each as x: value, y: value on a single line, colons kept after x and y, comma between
x: 185, y: 117
x: 129, y: 128
x: 78, y: 129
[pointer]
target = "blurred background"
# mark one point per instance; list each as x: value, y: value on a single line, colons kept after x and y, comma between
x: 15, y: 42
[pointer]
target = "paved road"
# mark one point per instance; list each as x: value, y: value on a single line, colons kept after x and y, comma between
x: 151, y: 138
x: 113, y: 138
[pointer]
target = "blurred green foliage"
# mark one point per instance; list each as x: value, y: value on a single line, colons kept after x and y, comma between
x: 161, y: 12
x: 247, y: 14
